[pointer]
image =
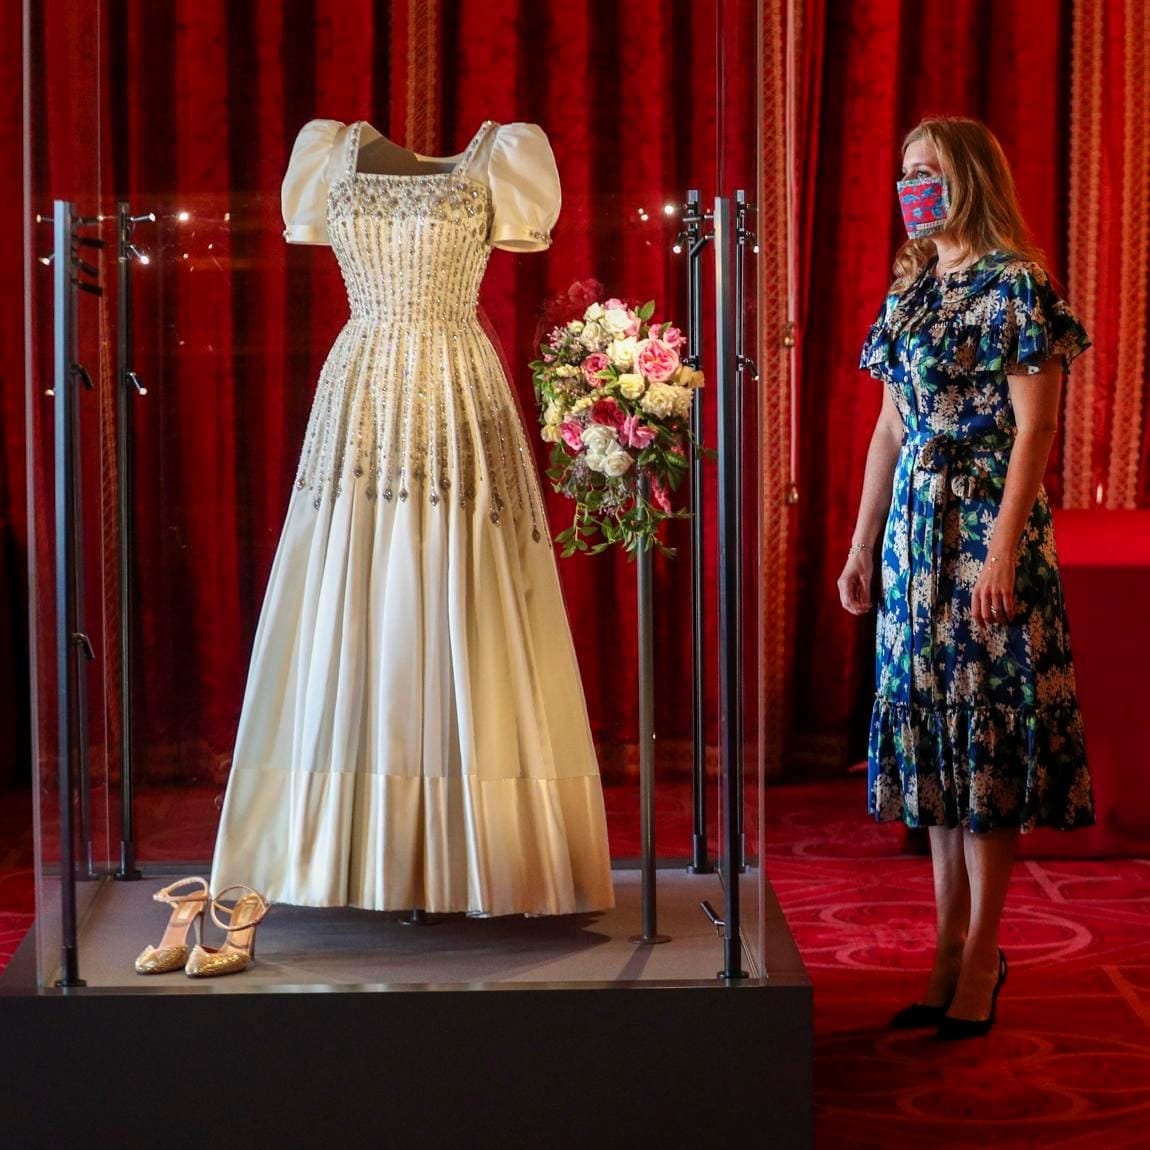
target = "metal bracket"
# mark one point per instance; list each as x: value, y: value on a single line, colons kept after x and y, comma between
x: 713, y: 915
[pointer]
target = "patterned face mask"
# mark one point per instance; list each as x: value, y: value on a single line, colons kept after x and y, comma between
x: 925, y: 203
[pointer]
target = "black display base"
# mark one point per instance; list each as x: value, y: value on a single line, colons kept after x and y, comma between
x: 221, y: 1063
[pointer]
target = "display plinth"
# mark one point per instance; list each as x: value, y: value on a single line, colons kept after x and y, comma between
x: 617, y: 1045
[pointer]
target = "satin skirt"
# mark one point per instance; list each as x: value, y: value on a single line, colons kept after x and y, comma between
x: 414, y: 731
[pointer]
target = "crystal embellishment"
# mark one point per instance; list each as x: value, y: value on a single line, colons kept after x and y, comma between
x: 412, y: 398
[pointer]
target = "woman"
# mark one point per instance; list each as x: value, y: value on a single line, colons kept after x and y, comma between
x: 975, y: 732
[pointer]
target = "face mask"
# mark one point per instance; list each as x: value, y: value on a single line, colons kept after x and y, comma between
x: 925, y: 203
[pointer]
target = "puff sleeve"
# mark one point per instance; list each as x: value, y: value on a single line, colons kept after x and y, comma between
x: 303, y: 196
x: 1029, y: 323
x: 525, y: 192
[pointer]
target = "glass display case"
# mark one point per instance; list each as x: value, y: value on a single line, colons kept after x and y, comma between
x: 176, y: 341
x: 175, y: 346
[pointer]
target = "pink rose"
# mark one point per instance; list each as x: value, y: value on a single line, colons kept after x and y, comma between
x: 660, y: 494
x: 596, y: 361
x: 572, y: 434
x: 614, y: 303
x: 608, y: 411
x: 634, y: 433
x: 657, y: 360
x: 673, y: 337
x: 632, y: 329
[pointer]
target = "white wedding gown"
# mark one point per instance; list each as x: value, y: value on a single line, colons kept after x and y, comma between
x: 414, y: 731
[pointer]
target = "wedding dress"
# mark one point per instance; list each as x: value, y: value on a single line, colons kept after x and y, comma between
x: 414, y: 731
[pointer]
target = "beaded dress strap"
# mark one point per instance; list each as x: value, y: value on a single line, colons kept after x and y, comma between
x: 352, y: 158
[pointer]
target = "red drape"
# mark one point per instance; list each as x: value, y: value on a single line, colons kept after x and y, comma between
x: 14, y: 698
x: 874, y: 67
x: 197, y: 108
x: 1107, y: 455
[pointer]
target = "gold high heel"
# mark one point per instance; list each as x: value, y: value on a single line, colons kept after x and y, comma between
x: 239, y: 948
x: 187, y: 910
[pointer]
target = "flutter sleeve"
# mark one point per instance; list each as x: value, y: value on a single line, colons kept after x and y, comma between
x: 525, y: 191
x: 303, y: 196
x: 1028, y: 323
x: 878, y: 356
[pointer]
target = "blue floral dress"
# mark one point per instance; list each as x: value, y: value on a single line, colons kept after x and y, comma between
x: 971, y: 726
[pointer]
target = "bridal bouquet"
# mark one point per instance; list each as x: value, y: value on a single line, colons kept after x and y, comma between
x: 615, y: 401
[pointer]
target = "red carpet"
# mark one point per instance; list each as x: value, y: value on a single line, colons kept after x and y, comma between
x: 1068, y: 1064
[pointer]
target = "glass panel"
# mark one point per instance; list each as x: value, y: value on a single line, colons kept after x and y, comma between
x: 191, y: 122
x: 739, y: 167
x: 62, y: 87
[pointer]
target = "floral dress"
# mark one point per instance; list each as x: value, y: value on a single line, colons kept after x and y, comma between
x: 972, y: 726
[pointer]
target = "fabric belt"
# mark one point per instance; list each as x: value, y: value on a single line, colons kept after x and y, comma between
x: 950, y: 465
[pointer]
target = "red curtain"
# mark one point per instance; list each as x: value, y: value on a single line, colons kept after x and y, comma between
x: 872, y: 69
x: 197, y: 108
x: 1107, y: 442
x: 14, y: 695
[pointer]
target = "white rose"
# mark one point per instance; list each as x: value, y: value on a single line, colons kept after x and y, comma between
x: 682, y: 400
x: 594, y: 312
x: 616, y: 321
x: 594, y: 462
x: 659, y: 400
x: 622, y: 352
x: 592, y: 336
x: 598, y: 438
x: 616, y: 461
x: 631, y: 386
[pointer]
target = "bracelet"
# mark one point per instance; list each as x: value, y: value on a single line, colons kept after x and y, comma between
x: 857, y: 547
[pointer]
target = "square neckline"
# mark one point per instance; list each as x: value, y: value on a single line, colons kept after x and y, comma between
x: 455, y: 171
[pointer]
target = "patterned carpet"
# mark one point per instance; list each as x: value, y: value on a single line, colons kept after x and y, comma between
x: 1068, y: 1064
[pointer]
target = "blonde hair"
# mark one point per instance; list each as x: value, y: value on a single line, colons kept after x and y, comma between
x: 984, y: 212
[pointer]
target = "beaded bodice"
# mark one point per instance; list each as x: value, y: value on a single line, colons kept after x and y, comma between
x: 411, y: 248
x: 412, y: 401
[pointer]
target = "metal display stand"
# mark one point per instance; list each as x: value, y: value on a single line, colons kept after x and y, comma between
x: 696, y: 240
x: 73, y: 647
x: 730, y: 583
x: 650, y: 935
x: 730, y: 238
x: 128, y: 389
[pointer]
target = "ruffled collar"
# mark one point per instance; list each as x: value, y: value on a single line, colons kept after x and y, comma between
x: 953, y: 286
x: 975, y: 276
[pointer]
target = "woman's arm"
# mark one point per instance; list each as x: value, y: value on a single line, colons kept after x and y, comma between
x: 855, y: 581
x: 1035, y: 399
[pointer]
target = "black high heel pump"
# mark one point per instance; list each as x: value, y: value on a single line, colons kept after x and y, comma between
x: 951, y: 1029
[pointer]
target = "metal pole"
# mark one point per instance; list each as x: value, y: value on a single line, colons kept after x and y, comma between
x: 700, y: 855
x: 80, y: 641
x: 64, y: 464
x: 737, y: 494
x: 650, y: 935
x: 126, y: 385
x: 730, y: 757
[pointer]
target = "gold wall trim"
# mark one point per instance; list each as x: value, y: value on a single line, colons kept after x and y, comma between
x: 423, y: 65
x: 775, y: 233
x: 1085, y: 211
x: 1134, y: 266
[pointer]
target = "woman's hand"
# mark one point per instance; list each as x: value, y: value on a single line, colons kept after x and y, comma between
x: 992, y: 598
x: 855, y: 582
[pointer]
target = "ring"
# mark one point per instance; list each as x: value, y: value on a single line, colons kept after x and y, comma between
x: 994, y: 610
